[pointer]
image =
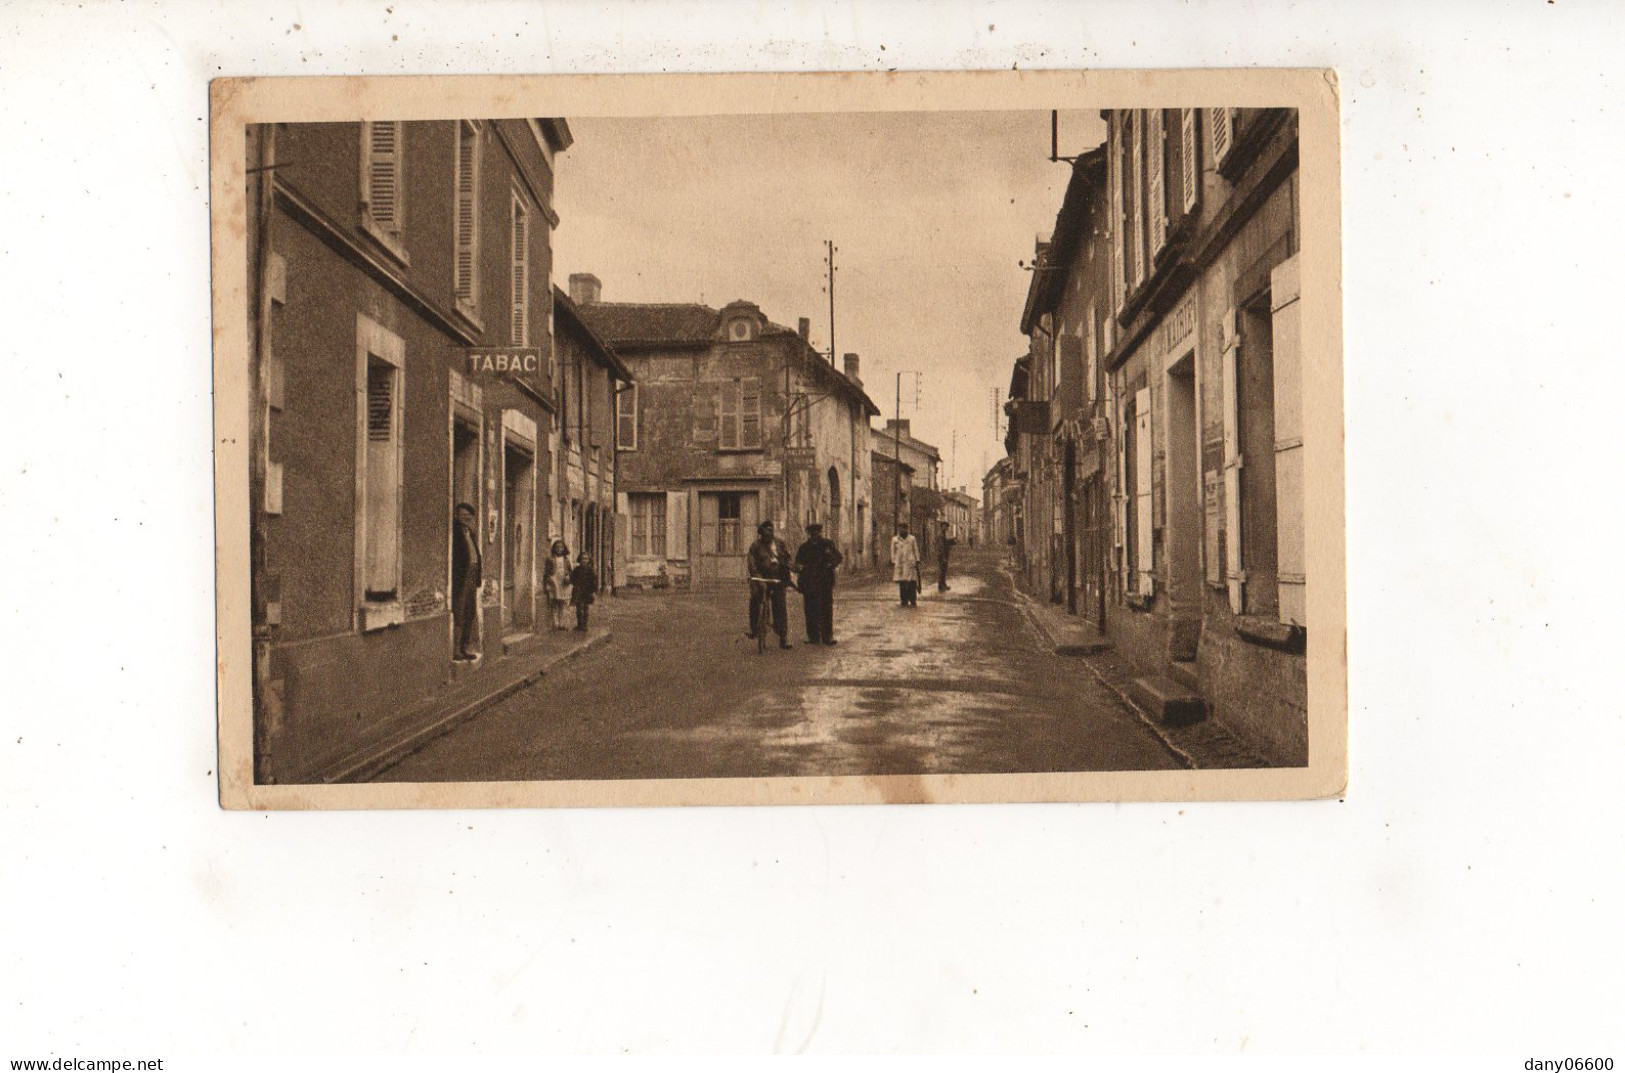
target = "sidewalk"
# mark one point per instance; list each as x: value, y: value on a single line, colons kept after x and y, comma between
x: 1208, y: 744
x: 468, y: 694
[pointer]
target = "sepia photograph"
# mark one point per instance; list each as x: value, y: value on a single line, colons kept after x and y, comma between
x: 852, y: 447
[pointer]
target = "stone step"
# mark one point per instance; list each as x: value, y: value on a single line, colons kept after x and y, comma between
x: 1183, y: 671
x: 1167, y: 701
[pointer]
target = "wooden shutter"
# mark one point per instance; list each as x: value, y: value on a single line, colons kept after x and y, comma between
x: 1119, y: 233
x: 1142, y: 492
x: 677, y: 525
x: 1092, y: 350
x: 520, y: 275
x: 1219, y: 128
x: 1120, y: 490
x: 1235, y: 578
x: 728, y: 435
x: 1156, y: 149
x: 381, y: 503
x: 467, y: 209
x: 626, y: 418
x: 750, y: 412
x: 706, y: 407
x: 1190, y: 164
x: 1286, y: 326
x: 384, y: 175
x: 1137, y: 200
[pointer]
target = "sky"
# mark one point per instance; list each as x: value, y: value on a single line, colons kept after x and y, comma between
x: 932, y: 215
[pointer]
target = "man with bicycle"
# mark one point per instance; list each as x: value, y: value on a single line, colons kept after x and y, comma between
x: 769, y: 564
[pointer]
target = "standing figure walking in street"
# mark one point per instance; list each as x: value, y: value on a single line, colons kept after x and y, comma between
x: 768, y: 560
x: 465, y: 583
x: 905, y: 566
x: 944, y: 542
x: 556, y: 582
x: 816, y: 561
x: 583, y: 583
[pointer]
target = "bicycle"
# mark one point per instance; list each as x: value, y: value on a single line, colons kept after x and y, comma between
x: 763, y: 607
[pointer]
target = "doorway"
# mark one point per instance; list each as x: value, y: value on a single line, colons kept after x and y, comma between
x: 1182, y: 540
x: 727, y: 528
x: 518, y: 537
x: 832, y: 525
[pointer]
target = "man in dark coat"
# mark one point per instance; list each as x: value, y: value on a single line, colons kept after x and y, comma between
x: 944, y: 542
x: 816, y: 561
x: 769, y: 560
x: 465, y: 583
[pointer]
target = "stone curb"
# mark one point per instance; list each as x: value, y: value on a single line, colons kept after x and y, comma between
x: 374, y: 761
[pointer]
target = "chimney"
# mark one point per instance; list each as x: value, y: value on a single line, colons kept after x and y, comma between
x: 803, y: 326
x: 894, y: 425
x: 851, y: 361
x: 584, y: 288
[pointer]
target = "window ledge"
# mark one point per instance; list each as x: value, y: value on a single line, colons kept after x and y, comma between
x: 468, y: 312
x: 741, y: 450
x: 390, y: 243
x: 1269, y: 631
x: 381, y: 616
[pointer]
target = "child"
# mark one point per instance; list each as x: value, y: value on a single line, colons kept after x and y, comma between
x: 583, y: 583
x: 557, y: 582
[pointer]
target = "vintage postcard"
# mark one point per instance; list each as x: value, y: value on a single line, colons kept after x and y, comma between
x: 766, y: 439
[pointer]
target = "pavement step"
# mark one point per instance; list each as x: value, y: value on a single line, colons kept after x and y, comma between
x: 1184, y: 672
x: 1167, y: 701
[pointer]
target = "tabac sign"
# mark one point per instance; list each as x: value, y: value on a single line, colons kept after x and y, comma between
x: 505, y: 363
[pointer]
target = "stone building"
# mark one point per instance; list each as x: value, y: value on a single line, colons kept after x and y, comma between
x: 923, y: 506
x: 400, y: 350
x: 587, y: 441
x: 1208, y: 579
x: 963, y: 516
x: 731, y: 419
x: 999, y: 495
x: 1067, y: 317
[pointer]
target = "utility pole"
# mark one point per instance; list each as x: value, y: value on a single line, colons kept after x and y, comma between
x: 829, y: 248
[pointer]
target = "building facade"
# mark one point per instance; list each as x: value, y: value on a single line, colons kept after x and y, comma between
x: 731, y: 420
x: 401, y: 352
x: 963, y: 515
x: 922, y: 464
x: 587, y: 443
x: 1208, y: 578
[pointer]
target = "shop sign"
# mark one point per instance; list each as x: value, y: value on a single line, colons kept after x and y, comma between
x: 515, y: 362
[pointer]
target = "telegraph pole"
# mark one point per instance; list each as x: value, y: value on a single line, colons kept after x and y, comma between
x: 829, y: 248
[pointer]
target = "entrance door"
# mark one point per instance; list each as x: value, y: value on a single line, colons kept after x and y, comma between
x: 518, y: 538
x: 727, y: 530
x: 1183, y: 489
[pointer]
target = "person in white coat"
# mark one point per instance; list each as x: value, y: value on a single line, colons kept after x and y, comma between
x: 905, y: 566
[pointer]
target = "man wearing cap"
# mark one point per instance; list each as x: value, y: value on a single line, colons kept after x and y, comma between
x: 769, y: 560
x: 816, y: 561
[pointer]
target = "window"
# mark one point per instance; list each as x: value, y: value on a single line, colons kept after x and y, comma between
x: 382, y: 212
x: 1190, y: 171
x: 380, y: 355
x: 626, y: 418
x: 465, y: 272
x: 740, y: 414
x: 519, y: 274
x: 648, y: 524
x: 1137, y: 197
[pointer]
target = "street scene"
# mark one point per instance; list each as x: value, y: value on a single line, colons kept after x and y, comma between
x: 776, y: 445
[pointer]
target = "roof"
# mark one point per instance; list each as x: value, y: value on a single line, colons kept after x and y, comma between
x: 603, y: 351
x: 890, y: 460
x: 685, y: 325
x: 1049, y: 274
x: 929, y: 450
x: 627, y: 325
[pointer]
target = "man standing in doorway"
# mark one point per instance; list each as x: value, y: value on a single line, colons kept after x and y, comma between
x: 816, y: 561
x: 769, y: 561
x: 465, y: 583
x: 905, y: 566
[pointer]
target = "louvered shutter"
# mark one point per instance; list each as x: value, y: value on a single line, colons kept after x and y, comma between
x: 1234, y: 577
x: 677, y: 525
x: 1156, y: 149
x: 1142, y: 491
x: 1119, y: 232
x: 705, y: 403
x: 750, y: 412
x: 1287, y: 331
x: 728, y: 435
x: 519, y: 277
x: 384, y: 175
x: 381, y: 503
x: 1137, y: 199
x: 1219, y: 128
x: 626, y: 418
x: 1190, y: 163
x: 1120, y: 490
x: 467, y: 185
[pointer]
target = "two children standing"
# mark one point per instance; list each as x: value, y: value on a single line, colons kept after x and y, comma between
x: 569, y: 586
